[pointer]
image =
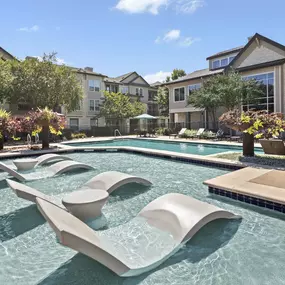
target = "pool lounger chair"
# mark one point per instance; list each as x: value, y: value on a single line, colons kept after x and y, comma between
x: 198, y: 134
x: 112, y: 180
x: 50, y: 157
x: 175, y: 216
x: 55, y: 169
x: 108, y: 181
x: 181, y: 133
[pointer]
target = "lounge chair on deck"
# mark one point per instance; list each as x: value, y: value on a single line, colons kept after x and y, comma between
x: 53, y: 170
x: 198, y: 134
x: 173, y: 219
x: 181, y: 133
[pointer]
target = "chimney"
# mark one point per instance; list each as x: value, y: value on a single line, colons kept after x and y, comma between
x: 90, y: 69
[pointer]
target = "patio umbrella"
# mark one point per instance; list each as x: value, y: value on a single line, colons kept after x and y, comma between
x: 145, y: 117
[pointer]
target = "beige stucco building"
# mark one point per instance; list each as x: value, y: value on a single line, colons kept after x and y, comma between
x: 94, y: 84
x: 261, y: 59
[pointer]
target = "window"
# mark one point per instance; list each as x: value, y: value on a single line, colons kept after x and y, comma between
x: 151, y: 95
x: 224, y: 62
x: 216, y: 64
x: 94, y: 105
x: 94, y: 85
x: 194, y: 87
x: 93, y: 122
x: 266, y: 101
x: 125, y: 89
x: 139, y: 92
x: 231, y: 58
x: 179, y: 94
x: 112, y: 88
x: 74, y: 124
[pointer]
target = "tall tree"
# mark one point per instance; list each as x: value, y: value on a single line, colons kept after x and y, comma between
x: 40, y: 83
x: 162, y: 99
x: 119, y: 106
x: 206, y: 98
x: 177, y: 73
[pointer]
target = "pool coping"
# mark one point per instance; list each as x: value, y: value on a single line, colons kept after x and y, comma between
x: 162, y: 139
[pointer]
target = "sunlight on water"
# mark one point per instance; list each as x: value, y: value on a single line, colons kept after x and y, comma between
x: 250, y: 251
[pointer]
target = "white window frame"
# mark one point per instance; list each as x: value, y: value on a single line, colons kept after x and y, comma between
x: 139, y: 91
x: 179, y: 94
x: 96, y: 106
x: 220, y: 61
x: 98, y: 85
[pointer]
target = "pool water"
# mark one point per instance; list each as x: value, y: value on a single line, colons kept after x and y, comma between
x: 182, y: 147
x: 248, y: 251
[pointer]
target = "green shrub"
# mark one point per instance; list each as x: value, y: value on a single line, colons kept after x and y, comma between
x: 78, y: 136
x: 189, y: 133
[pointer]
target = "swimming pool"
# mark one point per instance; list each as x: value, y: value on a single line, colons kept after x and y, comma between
x: 182, y: 147
x: 250, y: 251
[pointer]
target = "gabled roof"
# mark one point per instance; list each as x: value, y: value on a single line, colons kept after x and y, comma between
x: 120, y: 79
x: 6, y: 52
x: 124, y: 76
x: 196, y: 75
x: 156, y: 84
x: 254, y: 38
x: 225, y: 52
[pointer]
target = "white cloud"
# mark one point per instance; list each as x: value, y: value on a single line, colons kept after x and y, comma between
x: 159, y: 76
x: 153, y: 6
x: 175, y: 36
x: 141, y: 6
x: 34, y: 28
x: 172, y: 35
x: 188, y: 41
x: 189, y: 6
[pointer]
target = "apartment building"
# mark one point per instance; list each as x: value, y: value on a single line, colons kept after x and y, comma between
x: 94, y: 84
x: 261, y: 58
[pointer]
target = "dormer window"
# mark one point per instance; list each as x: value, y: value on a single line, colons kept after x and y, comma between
x: 216, y: 64
x: 222, y: 62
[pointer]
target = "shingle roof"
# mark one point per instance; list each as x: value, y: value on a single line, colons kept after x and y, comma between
x: 228, y: 51
x: 122, y: 77
x: 155, y: 84
x: 195, y: 75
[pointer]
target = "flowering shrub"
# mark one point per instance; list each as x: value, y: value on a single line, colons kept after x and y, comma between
x: 261, y: 124
x: 35, y: 120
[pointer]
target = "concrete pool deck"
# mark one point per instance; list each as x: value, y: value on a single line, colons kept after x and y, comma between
x: 257, y: 186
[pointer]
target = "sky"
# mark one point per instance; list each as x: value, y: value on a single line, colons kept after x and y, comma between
x: 151, y: 37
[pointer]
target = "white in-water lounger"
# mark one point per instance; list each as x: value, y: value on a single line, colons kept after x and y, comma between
x: 53, y: 170
x: 173, y: 218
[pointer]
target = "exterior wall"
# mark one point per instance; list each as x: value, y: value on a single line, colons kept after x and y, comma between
x: 259, y: 53
x: 174, y: 106
x: 84, y: 114
x: 132, y: 90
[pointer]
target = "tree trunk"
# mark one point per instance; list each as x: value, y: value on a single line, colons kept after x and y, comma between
x: 2, y: 142
x: 45, y: 136
x: 248, y: 144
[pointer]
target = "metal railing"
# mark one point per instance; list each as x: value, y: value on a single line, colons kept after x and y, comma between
x: 117, y: 132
